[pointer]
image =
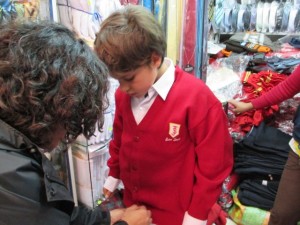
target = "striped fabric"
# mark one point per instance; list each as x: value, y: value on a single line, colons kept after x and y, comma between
x: 218, y: 14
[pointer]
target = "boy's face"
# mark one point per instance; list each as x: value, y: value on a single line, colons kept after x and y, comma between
x: 136, y: 83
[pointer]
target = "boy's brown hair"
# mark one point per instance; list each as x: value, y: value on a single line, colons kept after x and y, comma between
x: 128, y: 38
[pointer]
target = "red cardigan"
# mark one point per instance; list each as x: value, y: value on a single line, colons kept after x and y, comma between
x: 167, y: 168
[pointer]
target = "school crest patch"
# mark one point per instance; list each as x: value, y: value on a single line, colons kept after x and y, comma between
x: 174, y: 129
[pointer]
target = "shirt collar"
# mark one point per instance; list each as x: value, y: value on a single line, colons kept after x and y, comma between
x: 163, y: 85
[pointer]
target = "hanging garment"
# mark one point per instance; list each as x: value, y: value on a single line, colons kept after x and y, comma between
x: 227, y: 19
x: 7, y: 11
x: 148, y: 4
x: 265, y: 17
x: 65, y: 13
x: 272, y: 18
x: 105, y: 7
x: 243, y: 20
x: 218, y: 15
x: 259, y: 16
x: 179, y: 30
x: 82, y: 19
x: 253, y: 16
x: 293, y: 20
x: 189, y: 37
x: 31, y: 9
x: 172, y: 24
x: 234, y: 17
x: 279, y: 16
x: 286, y: 14
x: 126, y: 2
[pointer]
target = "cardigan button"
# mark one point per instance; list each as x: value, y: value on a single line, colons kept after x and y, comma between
x: 136, y: 138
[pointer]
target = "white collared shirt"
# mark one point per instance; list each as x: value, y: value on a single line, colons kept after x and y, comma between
x: 161, y: 87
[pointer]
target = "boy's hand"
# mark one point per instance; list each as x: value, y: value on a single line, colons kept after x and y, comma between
x: 107, y: 193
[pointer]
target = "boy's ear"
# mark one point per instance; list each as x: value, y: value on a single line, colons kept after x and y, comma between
x: 156, y: 59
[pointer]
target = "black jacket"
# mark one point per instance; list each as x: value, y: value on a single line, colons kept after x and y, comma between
x: 31, y: 193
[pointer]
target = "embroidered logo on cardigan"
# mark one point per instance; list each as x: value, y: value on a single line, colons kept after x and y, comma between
x: 174, y: 129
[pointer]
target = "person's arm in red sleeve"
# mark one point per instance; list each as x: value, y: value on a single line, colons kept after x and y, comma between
x: 283, y: 91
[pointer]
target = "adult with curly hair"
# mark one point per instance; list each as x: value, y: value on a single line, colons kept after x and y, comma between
x: 52, y: 88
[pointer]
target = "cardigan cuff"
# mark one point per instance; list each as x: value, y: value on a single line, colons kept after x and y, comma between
x: 189, y: 220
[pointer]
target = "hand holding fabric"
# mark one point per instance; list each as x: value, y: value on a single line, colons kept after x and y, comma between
x: 240, y: 107
x: 137, y: 215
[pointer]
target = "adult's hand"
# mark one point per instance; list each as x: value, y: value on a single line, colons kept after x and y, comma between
x: 137, y: 215
x: 116, y: 214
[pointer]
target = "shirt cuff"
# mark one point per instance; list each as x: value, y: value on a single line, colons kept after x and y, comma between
x: 111, y: 183
x: 189, y: 220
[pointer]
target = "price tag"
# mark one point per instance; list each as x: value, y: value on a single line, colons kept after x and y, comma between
x: 188, y: 68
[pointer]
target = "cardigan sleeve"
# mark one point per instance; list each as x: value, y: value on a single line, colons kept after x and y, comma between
x: 283, y: 91
x: 214, y: 151
x: 115, y: 143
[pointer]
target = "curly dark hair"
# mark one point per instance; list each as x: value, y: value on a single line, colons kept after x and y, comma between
x: 48, y: 77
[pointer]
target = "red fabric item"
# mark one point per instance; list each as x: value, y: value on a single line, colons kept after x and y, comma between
x: 151, y: 162
x: 262, y: 82
x: 233, y: 181
x: 189, y: 30
x: 286, y: 51
x: 126, y: 2
x: 281, y: 92
x: 216, y: 216
x: 254, y: 86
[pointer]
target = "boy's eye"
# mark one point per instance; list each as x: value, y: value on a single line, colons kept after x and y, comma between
x: 129, y: 78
